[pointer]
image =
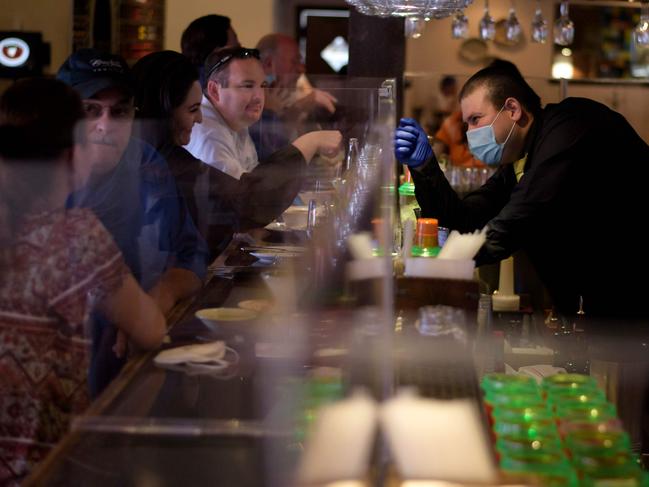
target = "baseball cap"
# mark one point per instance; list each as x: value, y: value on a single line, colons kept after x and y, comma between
x: 90, y: 71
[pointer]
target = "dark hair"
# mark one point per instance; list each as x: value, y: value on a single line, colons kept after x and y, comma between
x: 40, y: 118
x: 162, y: 81
x: 447, y: 81
x: 503, y: 80
x: 217, y: 63
x: 202, y: 36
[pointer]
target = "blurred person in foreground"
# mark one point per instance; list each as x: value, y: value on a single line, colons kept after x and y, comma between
x: 287, y: 107
x: 56, y: 264
x: 168, y: 96
x: 566, y: 174
x: 233, y: 100
x: 133, y: 193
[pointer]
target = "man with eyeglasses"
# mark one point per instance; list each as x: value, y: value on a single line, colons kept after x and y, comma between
x: 133, y: 193
x: 233, y: 100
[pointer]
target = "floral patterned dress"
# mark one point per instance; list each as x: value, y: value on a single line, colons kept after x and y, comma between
x: 62, y: 261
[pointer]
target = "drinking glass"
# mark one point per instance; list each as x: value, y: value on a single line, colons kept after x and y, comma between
x: 512, y: 26
x: 509, y: 384
x: 564, y: 28
x: 539, y: 26
x: 592, y: 443
x: 551, y: 469
x: 568, y: 383
x: 534, y: 463
x: 415, y: 27
x: 523, y: 444
x: 641, y: 32
x: 460, y: 26
x: 487, y: 25
x: 443, y: 322
x: 619, y: 468
x: 567, y: 412
x: 604, y: 426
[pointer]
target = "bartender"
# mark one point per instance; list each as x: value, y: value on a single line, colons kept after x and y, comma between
x: 569, y: 190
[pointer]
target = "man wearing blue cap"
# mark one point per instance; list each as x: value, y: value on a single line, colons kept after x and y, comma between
x: 132, y: 192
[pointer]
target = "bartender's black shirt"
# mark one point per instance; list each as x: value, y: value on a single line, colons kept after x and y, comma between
x: 578, y: 210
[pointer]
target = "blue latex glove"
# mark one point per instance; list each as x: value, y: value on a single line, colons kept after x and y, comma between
x: 411, y: 145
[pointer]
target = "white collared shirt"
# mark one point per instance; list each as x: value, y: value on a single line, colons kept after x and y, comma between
x: 216, y: 144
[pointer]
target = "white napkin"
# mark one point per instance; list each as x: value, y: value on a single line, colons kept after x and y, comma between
x: 462, y: 246
x: 340, y: 442
x: 201, y: 353
x: 437, y: 439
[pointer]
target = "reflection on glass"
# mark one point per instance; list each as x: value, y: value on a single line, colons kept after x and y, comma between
x: 641, y: 32
x: 415, y: 27
x: 487, y: 25
x: 460, y: 26
x: 512, y: 25
x: 564, y: 28
x: 354, y: 188
x: 539, y: 26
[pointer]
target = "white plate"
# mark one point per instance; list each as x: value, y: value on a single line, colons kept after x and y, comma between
x: 256, y: 305
x: 214, y: 316
x: 206, y: 352
x: 295, y: 217
x: 282, y: 227
x: 278, y: 227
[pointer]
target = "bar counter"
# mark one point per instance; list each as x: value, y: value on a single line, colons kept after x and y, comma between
x: 154, y: 426
x: 161, y: 427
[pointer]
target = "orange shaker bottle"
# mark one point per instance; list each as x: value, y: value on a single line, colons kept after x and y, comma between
x: 426, y: 236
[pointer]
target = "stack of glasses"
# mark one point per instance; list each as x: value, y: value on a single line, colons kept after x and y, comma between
x: 564, y: 432
x: 317, y: 391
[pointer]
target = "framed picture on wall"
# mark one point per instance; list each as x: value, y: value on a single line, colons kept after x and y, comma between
x: 131, y: 28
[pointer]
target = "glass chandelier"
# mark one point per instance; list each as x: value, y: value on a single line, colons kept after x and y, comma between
x: 424, y: 9
x: 641, y: 32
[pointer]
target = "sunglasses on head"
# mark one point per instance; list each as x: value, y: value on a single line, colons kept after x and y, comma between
x: 240, y: 53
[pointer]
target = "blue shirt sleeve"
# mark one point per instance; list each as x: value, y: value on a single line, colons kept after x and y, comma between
x: 166, y: 210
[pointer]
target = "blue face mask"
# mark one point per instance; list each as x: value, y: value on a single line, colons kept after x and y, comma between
x: 483, y: 145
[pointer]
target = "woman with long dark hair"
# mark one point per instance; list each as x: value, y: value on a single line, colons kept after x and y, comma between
x: 168, y: 97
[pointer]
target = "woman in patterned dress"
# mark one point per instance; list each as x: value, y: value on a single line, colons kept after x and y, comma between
x: 55, y: 265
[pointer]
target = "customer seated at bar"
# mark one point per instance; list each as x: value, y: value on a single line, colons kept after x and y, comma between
x: 133, y: 193
x: 569, y: 190
x: 233, y: 99
x: 168, y: 97
x: 287, y: 110
x: 205, y: 34
x: 55, y: 265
